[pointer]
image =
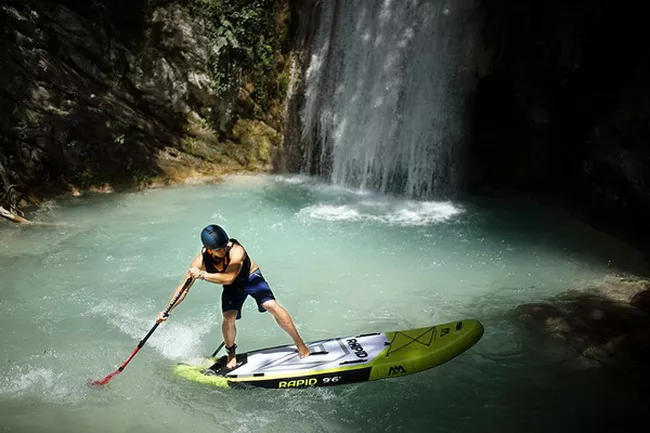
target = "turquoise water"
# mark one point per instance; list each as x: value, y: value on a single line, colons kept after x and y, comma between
x: 76, y: 299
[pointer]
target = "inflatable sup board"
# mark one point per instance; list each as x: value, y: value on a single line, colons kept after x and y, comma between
x: 339, y: 361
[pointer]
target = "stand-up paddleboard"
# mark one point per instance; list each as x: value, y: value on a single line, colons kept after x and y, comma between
x: 341, y: 360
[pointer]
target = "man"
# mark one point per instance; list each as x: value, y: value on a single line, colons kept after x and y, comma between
x: 223, y: 260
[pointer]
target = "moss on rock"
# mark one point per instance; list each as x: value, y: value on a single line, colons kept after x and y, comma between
x: 255, y: 141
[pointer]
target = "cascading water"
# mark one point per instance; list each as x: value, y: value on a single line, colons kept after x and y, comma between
x: 384, y: 95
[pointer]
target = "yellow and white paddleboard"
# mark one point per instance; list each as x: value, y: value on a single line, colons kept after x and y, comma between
x: 342, y: 360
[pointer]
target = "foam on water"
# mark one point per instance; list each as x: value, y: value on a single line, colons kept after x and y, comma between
x: 55, y: 386
x: 22, y: 379
x: 404, y: 213
x: 293, y: 179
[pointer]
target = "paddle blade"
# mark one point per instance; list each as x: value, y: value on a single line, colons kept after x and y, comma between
x: 105, y: 380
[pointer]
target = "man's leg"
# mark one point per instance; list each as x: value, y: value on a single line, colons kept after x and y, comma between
x: 284, y: 320
x: 229, y: 332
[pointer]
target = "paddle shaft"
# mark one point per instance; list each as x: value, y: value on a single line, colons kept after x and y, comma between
x: 218, y: 349
x: 105, y: 380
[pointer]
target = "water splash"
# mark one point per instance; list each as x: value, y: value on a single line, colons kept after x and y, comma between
x: 22, y: 380
x: 178, y: 339
x: 49, y: 384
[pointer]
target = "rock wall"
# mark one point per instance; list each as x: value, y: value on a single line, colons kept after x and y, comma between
x: 304, y: 19
x: 95, y: 96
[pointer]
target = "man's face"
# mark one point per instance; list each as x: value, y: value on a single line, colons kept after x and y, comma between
x: 220, y: 253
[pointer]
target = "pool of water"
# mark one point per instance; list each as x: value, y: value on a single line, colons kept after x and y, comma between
x: 75, y: 300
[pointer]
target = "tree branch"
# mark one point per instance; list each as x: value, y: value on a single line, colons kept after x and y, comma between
x: 8, y: 190
x: 14, y: 218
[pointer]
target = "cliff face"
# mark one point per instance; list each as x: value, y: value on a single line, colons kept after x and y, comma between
x: 562, y: 109
x: 304, y: 19
x: 92, y: 95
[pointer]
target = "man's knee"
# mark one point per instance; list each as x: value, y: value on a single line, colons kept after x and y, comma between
x: 271, y: 306
x: 230, y: 316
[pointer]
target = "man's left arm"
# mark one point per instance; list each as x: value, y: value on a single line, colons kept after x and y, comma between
x: 226, y: 277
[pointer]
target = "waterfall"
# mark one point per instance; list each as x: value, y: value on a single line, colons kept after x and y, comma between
x: 385, y: 92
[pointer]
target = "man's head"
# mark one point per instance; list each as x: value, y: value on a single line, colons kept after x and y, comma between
x: 214, y: 237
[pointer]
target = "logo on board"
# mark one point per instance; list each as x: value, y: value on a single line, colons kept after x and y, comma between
x: 398, y: 369
x: 356, y: 348
x: 297, y: 383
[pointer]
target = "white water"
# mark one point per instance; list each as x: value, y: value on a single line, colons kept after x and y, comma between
x: 75, y: 301
x: 385, y: 95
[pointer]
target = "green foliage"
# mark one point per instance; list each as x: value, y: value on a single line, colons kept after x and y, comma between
x: 84, y: 177
x: 242, y: 33
x: 143, y: 175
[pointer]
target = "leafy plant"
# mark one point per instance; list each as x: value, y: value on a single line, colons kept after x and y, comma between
x: 243, y: 36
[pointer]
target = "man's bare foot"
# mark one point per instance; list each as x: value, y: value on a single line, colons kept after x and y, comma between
x: 232, y: 361
x: 303, y: 351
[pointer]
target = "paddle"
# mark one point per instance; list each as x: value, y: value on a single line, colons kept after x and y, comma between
x: 107, y: 379
x: 218, y: 349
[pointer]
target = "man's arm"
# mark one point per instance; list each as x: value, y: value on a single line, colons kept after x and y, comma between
x: 196, y: 262
x: 225, y: 277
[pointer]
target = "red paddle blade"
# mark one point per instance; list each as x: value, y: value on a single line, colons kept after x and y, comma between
x: 105, y: 380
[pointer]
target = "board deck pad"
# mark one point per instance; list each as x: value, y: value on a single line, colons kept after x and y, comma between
x: 341, y: 360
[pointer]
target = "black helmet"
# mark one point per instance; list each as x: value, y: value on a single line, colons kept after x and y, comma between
x: 214, y: 237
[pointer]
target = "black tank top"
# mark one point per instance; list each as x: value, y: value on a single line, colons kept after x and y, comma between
x: 211, y: 265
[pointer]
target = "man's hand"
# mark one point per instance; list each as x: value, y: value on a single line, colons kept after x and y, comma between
x: 196, y: 273
x: 161, y: 317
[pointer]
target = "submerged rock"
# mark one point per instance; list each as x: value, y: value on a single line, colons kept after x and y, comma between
x: 606, y: 324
